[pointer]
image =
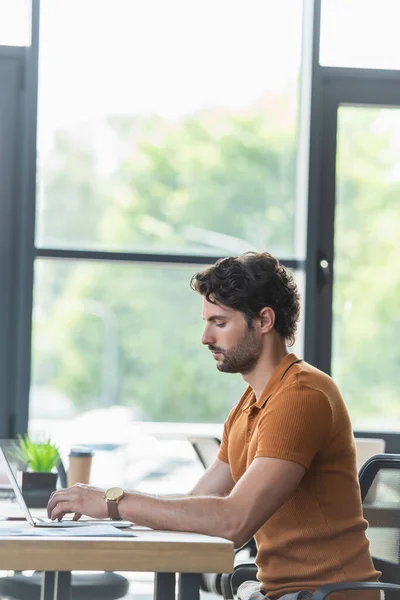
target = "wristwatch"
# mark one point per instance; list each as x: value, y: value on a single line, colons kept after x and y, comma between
x: 113, y: 496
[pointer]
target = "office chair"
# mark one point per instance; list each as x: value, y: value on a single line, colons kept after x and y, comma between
x: 379, y: 481
x: 84, y: 586
x: 206, y: 448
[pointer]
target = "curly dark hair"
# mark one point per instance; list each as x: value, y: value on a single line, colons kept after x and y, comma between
x: 249, y: 283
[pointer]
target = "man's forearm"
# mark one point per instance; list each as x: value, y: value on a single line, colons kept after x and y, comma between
x: 167, y: 496
x: 210, y: 515
x: 180, y: 496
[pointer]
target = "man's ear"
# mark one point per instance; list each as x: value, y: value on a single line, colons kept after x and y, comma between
x: 267, y: 319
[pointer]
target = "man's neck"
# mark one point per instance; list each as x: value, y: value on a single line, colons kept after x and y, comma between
x: 266, y: 365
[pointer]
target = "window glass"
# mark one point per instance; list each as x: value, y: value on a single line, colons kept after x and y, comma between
x: 15, y: 22
x: 110, y: 334
x: 362, y: 34
x: 366, y: 329
x: 168, y: 126
x: 118, y: 334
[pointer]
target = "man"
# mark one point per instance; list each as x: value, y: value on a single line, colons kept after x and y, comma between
x: 286, y: 471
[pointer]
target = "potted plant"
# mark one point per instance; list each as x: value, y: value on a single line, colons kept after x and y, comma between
x: 41, y: 458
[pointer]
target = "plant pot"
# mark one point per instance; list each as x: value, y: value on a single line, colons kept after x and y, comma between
x: 37, y: 487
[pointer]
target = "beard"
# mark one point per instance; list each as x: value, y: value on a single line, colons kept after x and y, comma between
x: 243, y: 357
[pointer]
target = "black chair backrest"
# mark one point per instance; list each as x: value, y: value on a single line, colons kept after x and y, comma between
x: 206, y: 448
x: 62, y: 475
x: 380, y: 492
x: 370, y: 470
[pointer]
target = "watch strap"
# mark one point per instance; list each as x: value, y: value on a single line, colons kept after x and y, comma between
x: 112, y: 508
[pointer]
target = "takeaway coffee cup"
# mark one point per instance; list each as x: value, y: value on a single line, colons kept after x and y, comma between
x: 80, y: 463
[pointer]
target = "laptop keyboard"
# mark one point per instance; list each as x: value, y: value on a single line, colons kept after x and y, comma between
x: 46, y: 520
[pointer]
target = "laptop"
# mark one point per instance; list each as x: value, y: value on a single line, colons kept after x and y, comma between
x: 45, y: 522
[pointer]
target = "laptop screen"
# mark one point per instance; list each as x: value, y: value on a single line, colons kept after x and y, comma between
x: 16, y: 488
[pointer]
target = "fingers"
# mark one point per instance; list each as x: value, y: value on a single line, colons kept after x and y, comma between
x: 54, y: 499
x: 79, y: 499
x: 61, y: 502
x: 60, y: 510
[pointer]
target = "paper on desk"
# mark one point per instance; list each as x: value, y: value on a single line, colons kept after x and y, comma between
x: 90, y: 531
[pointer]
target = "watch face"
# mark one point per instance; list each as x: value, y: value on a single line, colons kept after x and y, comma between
x: 114, y: 493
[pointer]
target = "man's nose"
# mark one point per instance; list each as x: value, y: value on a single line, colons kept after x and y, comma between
x: 207, y: 338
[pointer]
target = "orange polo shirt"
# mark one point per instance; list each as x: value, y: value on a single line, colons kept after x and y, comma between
x: 318, y: 535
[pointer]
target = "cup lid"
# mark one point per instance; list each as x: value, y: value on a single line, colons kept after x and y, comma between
x: 81, y: 451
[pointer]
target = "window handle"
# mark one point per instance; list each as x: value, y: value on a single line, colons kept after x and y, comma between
x: 324, y: 272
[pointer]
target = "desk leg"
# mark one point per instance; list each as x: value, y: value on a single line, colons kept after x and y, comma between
x: 164, y: 586
x: 189, y: 586
x: 56, y: 585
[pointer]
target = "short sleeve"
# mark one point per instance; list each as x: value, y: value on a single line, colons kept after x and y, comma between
x: 295, y: 425
x: 223, y: 453
x: 223, y: 449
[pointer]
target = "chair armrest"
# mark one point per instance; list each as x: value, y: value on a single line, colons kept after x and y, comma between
x: 231, y: 581
x: 324, y: 591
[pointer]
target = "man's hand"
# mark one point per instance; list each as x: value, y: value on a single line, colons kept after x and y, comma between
x: 79, y: 499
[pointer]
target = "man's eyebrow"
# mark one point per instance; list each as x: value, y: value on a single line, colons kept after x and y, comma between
x: 214, y: 318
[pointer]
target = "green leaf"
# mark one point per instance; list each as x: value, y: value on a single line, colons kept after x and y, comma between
x: 38, y: 456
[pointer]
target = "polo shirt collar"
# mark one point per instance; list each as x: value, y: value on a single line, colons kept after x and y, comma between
x: 273, y: 383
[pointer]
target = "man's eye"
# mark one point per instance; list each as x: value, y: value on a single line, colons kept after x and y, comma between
x: 220, y: 325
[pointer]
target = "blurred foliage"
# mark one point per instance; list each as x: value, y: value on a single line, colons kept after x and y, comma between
x: 366, y: 353
x: 213, y: 183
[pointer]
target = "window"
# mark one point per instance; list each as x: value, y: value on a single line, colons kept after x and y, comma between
x: 98, y: 331
x: 15, y: 22
x: 172, y: 133
x: 360, y: 34
x: 127, y: 334
x: 366, y: 325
